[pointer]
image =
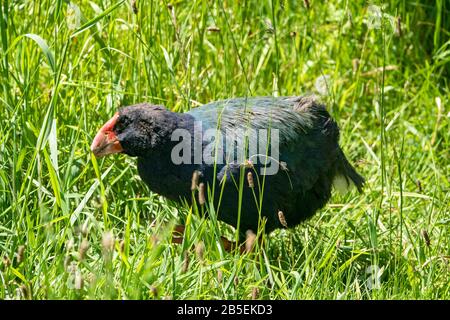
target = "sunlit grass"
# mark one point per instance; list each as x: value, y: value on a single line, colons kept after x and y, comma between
x: 64, y: 71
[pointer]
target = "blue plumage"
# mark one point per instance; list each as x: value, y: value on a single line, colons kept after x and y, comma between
x: 309, y: 153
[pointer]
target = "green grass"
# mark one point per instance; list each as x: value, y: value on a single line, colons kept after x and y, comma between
x: 64, y: 72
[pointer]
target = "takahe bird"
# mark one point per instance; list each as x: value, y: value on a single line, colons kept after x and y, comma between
x: 307, y: 156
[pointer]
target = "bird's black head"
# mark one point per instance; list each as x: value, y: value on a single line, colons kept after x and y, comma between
x: 135, y: 130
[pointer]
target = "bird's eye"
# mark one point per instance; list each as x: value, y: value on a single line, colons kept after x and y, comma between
x: 121, y: 124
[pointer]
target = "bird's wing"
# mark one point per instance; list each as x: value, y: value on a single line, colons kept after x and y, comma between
x: 289, y: 115
x: 307, y: 134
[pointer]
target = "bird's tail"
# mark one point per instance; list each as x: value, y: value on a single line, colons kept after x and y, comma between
x: 346, y: 176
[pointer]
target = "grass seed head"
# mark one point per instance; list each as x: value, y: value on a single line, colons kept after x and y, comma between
x: 255, y: 293
x: 194, y: 181
x: 134, y: 6
x: 69, y: 245
x: 419, y: 186
x: 25, y: 292
x: 20, y: 253
x: 200, y: 250
x: 283, y: 166
x: 122, y: 246
x: 307, y: 4
x: 67, y: 260
x: 85, y: 228
x: 219, y: 276
x: 250, y: 181
x: 79, y: 281
x: 84, y: 246
x: 154, y: 291
x: 248, y: 164
x: 426, y: 237
x: 108, y: 241
x: 398, y: 26
x: 185, y: 266
x: 6, y: 261
x: 250, y: 240
x: 201, y: 194
x: 282, y: 219
x: 355, y: 65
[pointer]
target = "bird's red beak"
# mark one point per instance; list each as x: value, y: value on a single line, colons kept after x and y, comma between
x: 106, y: 142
